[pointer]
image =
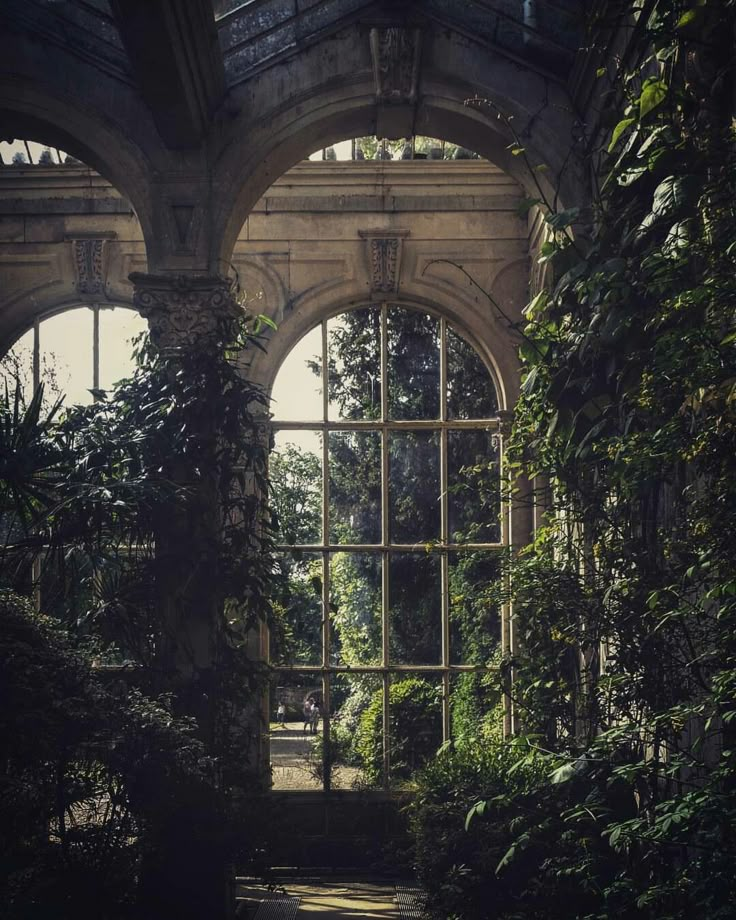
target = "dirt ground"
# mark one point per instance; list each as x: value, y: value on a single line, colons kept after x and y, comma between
x: 294, y: 764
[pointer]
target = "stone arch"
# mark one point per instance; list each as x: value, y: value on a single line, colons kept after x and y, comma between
x: 327, y: 93
x: 100, y: 141
x: 260, y: 283
x: 48, y: 303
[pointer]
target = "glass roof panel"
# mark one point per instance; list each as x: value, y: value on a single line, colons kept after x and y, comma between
x: 547, y: 33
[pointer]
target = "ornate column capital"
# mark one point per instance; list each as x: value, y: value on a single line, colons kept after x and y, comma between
x: 186, y: 312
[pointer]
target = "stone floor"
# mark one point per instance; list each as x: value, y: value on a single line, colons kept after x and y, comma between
x: 328, y: 899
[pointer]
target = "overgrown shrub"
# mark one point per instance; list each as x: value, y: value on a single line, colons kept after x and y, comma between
x: 494, y: 836
x: 456, y: 866
x: 415, y: 727
x: 476, y: 706
x: 149, y: 799
x: 97, y: 782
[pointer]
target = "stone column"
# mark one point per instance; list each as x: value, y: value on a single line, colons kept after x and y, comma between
x: 191, y: 318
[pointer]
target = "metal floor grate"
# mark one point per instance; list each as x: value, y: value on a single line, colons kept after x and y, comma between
x: 278, y: 907
x: 412, y: 903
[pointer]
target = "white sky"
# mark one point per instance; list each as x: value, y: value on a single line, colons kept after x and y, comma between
x: 8, y: 149
x: 66, y: 344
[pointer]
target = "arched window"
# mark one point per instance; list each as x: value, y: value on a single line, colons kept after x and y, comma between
x: 75, y: 352
x: 386, y: 473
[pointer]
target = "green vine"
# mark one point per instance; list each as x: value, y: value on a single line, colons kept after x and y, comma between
x: 624, y: 607
x: 625, y: 603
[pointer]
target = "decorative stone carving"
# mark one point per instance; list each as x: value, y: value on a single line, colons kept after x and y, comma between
x: 384, y: 258
x: 88, y: 262
x: 396, y: 54
x: 186, y: 311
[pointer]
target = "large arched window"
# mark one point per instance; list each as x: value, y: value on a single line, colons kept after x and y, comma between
x: 386, y: 473
x: 75, y: 352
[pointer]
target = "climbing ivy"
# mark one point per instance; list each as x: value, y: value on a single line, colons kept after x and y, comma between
x: 625, y: 605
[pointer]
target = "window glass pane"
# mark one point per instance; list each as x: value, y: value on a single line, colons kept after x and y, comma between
x: 414, y: 486
x: 471, y: 392
x: 66, y: 354
x: 296, y: 636
x: 354, y: 361
x: 413, y: 365
x: 295, y: 743
x: 475, y: 620
x: 356, y: 736
x: 476, y: 706
x: 415, y: 720
x: 415, y: 625
x: 355, y: 486
x: 474, y: 502
x: 297, y: 390
x: 355, y: 755
x: 295, y: 469
x: 16, y: 367
x: 355, y: 608
x: 118, y: 328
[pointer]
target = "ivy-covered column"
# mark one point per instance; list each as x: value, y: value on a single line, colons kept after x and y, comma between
x: 192, y: 318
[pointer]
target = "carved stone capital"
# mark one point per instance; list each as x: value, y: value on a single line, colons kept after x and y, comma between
x: 384, y: 258
x: 396, y: 57
x: 186, y: 312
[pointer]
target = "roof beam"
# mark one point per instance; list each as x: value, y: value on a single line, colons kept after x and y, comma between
x: 176, y: 58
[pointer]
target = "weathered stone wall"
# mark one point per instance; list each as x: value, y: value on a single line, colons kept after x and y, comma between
x: 306, y: 250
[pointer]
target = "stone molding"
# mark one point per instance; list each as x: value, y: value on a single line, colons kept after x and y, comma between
x: 384, y: 258
x: 186, y: 312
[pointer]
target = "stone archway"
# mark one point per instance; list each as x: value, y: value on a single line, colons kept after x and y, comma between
x: 100, y: 142
x: 329, y: 92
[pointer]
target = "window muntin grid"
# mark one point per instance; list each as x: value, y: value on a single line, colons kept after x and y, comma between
x: 433, y: 427
x: 75, y: 351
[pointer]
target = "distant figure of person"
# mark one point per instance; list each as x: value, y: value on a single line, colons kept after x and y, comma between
x: 281, y: 714
x: 308, y: 706
x: 315, y: 717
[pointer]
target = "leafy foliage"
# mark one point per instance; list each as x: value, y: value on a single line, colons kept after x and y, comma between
x: 89, y: 767
x: 624, y: 605
x: 142, y: 513
x: 415, y: 729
